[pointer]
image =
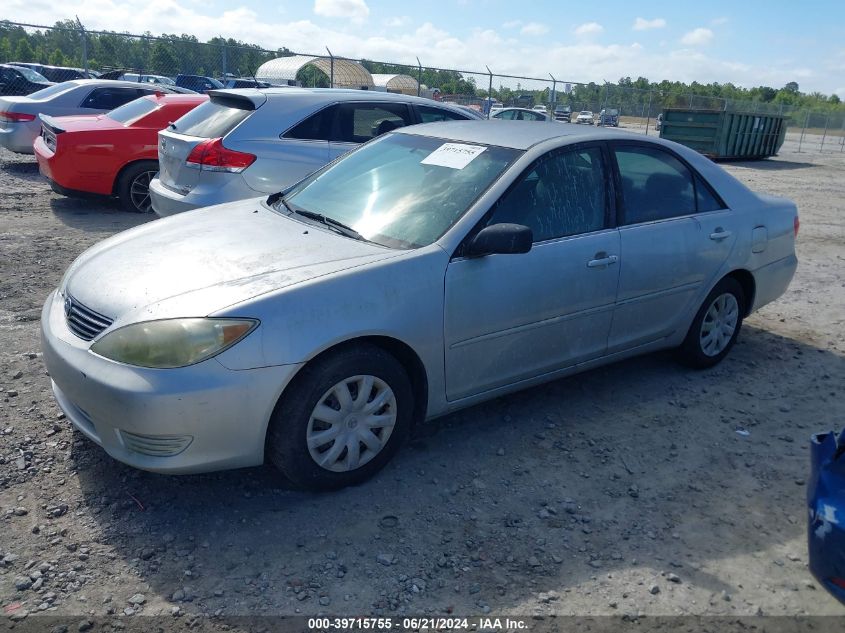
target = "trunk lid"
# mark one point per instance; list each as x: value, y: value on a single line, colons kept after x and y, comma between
x: 215, y: 118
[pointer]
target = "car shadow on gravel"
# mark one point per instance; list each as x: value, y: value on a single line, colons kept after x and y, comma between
x: 88, y: 214
x: 627, y: 469
x: 24, y: 170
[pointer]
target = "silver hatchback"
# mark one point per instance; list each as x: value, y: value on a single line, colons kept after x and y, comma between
x: 245, y: 143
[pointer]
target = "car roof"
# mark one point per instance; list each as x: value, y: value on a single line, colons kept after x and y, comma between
x: 520, y: 109
x: 514, y: 134
x: 312, y: 96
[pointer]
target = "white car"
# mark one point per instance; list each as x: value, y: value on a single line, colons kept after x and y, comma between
x: 585, y: 116
x: 539, y: 108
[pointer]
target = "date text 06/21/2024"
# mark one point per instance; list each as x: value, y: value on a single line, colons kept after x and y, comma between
x: 415, y: 624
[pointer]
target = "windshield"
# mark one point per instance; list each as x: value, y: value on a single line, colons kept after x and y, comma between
x: 31, y: 75
x: 130, y: 113
x: 52, y: 91
x: 398, y: 191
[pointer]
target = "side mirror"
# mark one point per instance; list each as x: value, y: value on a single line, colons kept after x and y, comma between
x: 501, y: 239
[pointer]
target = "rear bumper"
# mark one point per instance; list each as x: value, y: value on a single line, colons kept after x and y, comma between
x: 233, y: 187
x: 772, y: 280
x: 62, y: 170
x: 18, y: 137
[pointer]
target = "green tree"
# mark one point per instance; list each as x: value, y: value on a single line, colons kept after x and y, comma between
x: 162, y: 60
x: 24, y: 52
x: 57, y: 58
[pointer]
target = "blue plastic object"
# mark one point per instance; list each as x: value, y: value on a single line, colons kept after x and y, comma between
x: 826, y: 505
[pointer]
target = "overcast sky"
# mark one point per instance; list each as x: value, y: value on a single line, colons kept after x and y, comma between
x: 747, y: 42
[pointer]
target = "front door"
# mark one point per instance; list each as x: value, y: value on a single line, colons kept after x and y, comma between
x: 513, y: 317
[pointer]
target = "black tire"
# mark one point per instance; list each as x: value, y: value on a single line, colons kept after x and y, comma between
x: 286, y: 447
x: 134, y: 178
x: 691, y: 352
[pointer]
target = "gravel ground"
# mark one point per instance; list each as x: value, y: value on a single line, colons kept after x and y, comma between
x: 624, y: 490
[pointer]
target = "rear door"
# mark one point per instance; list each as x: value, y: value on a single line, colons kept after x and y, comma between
x: 356, y: 123
x: 213, y: 119
x: 670, y: 249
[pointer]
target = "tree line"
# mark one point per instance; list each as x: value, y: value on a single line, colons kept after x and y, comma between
x: 64, y: 44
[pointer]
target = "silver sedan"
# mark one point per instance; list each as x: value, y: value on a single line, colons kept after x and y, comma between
x: 433, y: 268
x: 19, y: 123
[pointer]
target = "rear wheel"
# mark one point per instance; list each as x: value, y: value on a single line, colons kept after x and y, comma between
x: 715, y: 327
x: 133, y: 187
x: 342, y: 418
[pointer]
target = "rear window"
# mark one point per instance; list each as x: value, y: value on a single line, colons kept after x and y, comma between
x: 212, y: 119
x: 52, y: 91
x: 134, y: 110
x: 31, y: 75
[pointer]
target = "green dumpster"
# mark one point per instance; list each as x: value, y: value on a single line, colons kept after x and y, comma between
x: 722, y: 134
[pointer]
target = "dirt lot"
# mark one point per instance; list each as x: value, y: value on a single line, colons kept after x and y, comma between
x: 624, y: 490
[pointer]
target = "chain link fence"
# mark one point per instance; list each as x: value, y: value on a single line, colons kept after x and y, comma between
x: 236, y: 64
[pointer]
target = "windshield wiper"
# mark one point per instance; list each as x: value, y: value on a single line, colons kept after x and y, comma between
x: 340, y: 227
x: 336, y: 225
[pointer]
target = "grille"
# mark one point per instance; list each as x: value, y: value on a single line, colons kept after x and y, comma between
x: 156, y: 445
x: 82, y: 321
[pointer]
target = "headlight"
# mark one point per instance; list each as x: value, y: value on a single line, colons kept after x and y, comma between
x: 171, y: 343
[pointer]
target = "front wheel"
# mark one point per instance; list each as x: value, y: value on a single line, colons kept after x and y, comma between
x: 133, y: 187
x: 341, y: 419
x: 715, y: 327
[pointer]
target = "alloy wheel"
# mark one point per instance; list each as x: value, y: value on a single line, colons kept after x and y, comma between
x: 139, y: 191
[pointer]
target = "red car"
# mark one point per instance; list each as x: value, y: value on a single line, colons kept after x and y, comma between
x: 112, y: 154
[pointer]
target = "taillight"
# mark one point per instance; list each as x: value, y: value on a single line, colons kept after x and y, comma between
x: 796, y: 224
x: 16, y: 117
x: 210, y: 155
x: 839, y: 582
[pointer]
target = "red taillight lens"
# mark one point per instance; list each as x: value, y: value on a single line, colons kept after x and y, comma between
x: 796, y: 224
x: 16, y: 117
x: 210, y: 155
x: 839, y: 582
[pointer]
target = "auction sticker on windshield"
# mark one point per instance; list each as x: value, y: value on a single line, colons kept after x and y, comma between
x: 454, y: 155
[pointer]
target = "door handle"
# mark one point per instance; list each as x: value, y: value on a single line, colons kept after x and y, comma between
x: 719, y: 235
x: 602, y: 260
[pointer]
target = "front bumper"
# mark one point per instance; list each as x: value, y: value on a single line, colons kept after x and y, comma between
x: 193, y: 419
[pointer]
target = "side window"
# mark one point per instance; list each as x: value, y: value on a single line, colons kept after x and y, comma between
x: 562, y: 194
x: 110, y: 98
x: 655, y: 185
x: 317, y: 127
x: 507, y: 114
x: 6, y: 76
x: 432, y: 115
x: 705, y: 198
x: 359, y: 122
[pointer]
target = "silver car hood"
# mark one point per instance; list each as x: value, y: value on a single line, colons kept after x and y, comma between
x: 200, y: 262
